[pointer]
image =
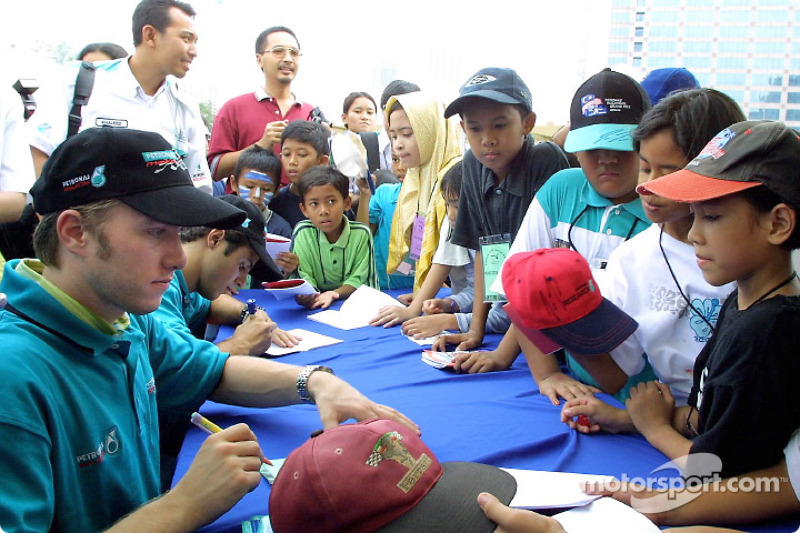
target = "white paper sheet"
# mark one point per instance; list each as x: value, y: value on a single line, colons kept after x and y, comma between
x: 357, y: 310
x: 605, y: 515
x: 277, y: 244
x: 288, y: 288
x: 310, y: 340
x: 551, y: 490
x: 426, y: 341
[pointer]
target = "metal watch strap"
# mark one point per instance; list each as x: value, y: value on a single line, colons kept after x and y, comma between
x: 302, y: 381
x: 246, y: 313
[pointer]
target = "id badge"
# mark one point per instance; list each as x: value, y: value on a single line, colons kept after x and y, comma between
x: 417, y: 232
x: 494, y: 249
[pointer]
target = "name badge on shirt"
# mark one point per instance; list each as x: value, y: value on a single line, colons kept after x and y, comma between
x: 494, y: 249
x: 101, y: 122
x: 417, y: 232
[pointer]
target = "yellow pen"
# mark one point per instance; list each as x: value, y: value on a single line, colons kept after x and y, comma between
x: 210, y: 427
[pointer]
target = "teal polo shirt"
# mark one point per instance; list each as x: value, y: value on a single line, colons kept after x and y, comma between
x: 182, y: 310
x: 79, y: 422
x: 583, y: 219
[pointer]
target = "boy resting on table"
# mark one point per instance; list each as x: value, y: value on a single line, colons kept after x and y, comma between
x: 502, y: 172
x: 334, y: 254
x: 592, y: 209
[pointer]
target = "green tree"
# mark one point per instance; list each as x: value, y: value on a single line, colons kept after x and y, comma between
x: 208, y: 112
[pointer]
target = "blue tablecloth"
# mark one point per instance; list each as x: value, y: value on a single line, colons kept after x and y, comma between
x: 496, y: 418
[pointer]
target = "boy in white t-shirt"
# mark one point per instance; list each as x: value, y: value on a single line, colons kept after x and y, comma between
x: 654, y: 276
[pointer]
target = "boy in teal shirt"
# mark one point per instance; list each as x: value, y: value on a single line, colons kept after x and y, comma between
x: 592, y: 209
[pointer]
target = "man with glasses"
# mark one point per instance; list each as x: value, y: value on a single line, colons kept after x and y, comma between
x: 259, y: 117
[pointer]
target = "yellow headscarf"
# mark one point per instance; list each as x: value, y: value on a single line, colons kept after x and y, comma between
x: 439, y: 142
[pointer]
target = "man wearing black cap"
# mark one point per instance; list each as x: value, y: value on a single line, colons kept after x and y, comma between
x: 79, y: 374
x: 218, y: 262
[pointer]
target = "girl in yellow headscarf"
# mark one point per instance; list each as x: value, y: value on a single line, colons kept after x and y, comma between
x: 427, y: 145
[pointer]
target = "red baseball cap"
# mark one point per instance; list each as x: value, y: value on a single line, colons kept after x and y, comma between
x: 554, y: 300
x: 379, y: 475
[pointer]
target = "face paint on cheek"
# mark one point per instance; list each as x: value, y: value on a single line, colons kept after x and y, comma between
x: 244, y: 192
x: 268, y: 197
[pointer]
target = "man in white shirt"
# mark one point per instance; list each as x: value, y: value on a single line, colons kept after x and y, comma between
x: 16, y: 168
x: 138, y: 92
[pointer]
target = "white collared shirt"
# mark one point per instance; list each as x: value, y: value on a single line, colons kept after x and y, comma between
x: 117, y: 100
x: 16, y: 166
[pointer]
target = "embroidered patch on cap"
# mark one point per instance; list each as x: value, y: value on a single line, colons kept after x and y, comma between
x: 164, y: 159
x: 480, y: 79
x: 390, y: 448
x: 715, y: 146
x: 99, y: 176
x: 592, y: 106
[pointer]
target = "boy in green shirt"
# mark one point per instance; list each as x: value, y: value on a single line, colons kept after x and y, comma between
x: 335, y: 254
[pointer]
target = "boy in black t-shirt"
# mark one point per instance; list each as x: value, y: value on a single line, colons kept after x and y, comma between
x: 744, y: 191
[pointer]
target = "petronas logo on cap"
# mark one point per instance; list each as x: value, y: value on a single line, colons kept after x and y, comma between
x: 480, y: 79
x: 98, y: 178
x: 246, y: 223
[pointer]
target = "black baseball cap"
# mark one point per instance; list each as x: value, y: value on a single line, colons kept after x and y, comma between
x: 254, y: 227
x: 604, y: 111
x: 742, y: 156
x: 138, y: 168
x: 493, y: 83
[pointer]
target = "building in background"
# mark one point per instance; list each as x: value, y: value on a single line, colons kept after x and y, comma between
x: 749, y: 49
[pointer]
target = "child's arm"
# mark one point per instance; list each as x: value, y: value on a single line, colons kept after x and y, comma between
x: 421, y: 327
x: 652, y: 409
x: 491, y: 361
x: 604, y: 370
x: 288, y: 262
x: 589, y: 414
x: 392, y: 315
x: 712, y: 505
x: 480, y: 310
x: 325, y: 299
x: 548, y: 376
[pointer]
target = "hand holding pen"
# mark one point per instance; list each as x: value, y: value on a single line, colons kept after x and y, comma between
x: 225, y: 468
x: 211, y: 428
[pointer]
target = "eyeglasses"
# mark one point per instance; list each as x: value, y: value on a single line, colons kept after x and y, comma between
x: 280, y: 51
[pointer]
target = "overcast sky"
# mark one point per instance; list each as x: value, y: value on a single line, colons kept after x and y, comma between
x: 554, y: 45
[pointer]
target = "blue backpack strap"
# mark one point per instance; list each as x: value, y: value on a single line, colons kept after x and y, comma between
x: 83, y: 89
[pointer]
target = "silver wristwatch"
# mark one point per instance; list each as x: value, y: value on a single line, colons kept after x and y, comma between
x: 302, y: 381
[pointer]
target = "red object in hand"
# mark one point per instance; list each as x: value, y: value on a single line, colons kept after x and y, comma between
x: 583, y: 420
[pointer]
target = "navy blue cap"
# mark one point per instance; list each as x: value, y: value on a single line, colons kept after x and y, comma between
x: 493, y: 83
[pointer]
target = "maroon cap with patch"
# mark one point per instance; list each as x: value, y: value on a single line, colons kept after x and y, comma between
x: 379, y: 475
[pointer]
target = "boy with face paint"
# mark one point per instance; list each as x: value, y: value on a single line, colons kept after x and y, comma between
x: 257, y: 179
